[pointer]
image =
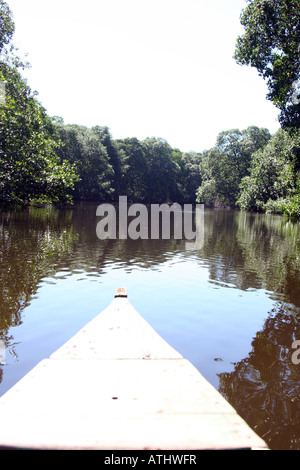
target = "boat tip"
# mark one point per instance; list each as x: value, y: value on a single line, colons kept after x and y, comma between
x: 121, y: 292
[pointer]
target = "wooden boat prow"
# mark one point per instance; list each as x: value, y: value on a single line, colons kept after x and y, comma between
x: 118, y: 385
x: 119, y: 332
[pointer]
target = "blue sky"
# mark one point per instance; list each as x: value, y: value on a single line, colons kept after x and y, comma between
x: 144, y: 68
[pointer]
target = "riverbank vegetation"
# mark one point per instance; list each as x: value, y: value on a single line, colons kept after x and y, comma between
x: 271, y: 44
x: 42, y: 159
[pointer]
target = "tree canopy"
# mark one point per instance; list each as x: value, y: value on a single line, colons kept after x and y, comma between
x: 84, y: 149
x: 29, y: 166
x: 224, y: 166
x: 271, y: 44
x: 273, y: 184
x: 7, y: 26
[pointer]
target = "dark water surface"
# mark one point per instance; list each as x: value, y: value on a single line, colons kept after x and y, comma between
x: 230, y: 308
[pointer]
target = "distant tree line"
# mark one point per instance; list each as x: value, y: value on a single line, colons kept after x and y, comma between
x: 145, y: 171
x: 42, y: 159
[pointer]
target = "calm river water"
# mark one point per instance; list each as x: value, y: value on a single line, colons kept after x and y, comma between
x: 230, y: 308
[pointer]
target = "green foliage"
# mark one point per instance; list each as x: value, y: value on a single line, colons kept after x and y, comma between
x: 7, y: 26
x: 271, y: 45
x: 157, y: 173
x: 29, y: 166
x: 162, y: 170
x: 288, y: 207
x: 273, y: 184
x: 135, y: 176
x: 224, y: 166
x: 117, y: 158
x: 188, y: 176
x: 84, y: 149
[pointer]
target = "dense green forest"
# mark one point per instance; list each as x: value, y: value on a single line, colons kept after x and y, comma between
x: 44, y: 160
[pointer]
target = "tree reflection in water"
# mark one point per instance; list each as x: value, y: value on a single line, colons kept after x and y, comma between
x: 264, y: 387
x: 32, y: 243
